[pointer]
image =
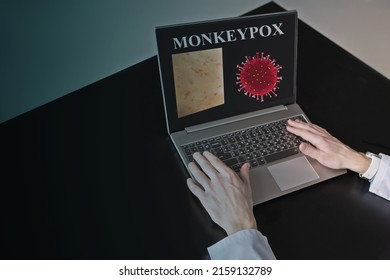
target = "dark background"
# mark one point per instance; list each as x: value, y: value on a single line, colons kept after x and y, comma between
x: 72, y: 186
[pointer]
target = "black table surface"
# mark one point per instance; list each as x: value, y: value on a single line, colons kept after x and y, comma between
x: 94, y: 175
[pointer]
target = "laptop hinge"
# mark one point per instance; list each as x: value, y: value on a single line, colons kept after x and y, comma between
x: 224, y: 121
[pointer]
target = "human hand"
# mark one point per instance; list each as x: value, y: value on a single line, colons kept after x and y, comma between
x: 226, y: 196
x: 327, y: 149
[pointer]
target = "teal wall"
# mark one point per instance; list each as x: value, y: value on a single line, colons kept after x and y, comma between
x: 51, y: 48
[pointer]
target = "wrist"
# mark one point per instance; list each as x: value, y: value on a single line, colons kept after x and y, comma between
x: 360, y: 163
x: 249, y: 224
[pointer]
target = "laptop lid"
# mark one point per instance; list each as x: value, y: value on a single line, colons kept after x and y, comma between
x: 222, y: 68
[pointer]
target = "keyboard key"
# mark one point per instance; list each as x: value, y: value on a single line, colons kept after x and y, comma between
x: 236, y: 167
x: 253, y: 163
x: 231, y: 161
x: 260, y: 161
x: 215, y: 144
x: 242, y: 158
x: 224, y: 156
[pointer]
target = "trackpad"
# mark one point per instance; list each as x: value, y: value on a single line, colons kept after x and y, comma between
x: 293, y: 173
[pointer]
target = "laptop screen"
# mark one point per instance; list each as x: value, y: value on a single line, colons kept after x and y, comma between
x: 216, y: 69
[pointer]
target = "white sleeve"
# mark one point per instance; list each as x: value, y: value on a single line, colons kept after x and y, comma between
x: 248, y: 244
x: 381, y: 182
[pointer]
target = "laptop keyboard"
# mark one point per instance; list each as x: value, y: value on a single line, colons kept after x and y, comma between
x: 257, y: 145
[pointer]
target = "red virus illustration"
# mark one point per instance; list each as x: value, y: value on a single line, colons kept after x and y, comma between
x: 258, y: 76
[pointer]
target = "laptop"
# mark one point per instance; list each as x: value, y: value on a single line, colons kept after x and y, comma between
x: 229, y: 86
